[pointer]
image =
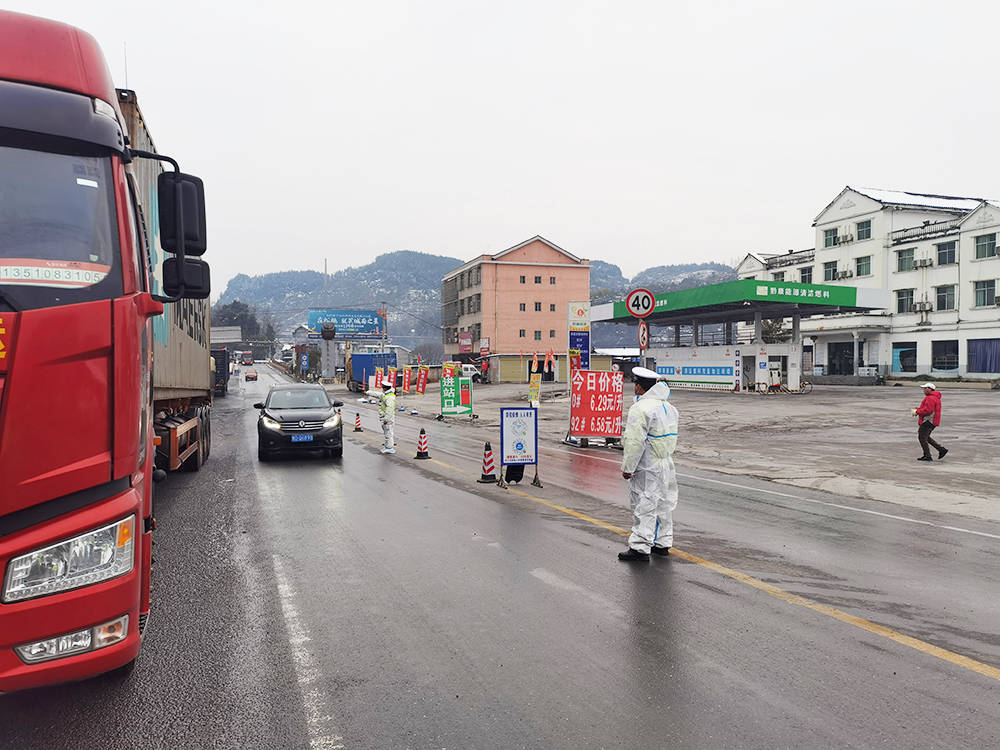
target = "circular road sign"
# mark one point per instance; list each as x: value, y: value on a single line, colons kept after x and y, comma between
x: 643, y: 335
x: 640, y: 302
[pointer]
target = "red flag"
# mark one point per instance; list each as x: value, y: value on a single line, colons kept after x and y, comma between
x: 548, y: 360
x: 534, y: 362
x: 418, y: 359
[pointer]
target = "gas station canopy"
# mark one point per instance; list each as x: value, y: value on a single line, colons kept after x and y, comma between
x: 741, y: 300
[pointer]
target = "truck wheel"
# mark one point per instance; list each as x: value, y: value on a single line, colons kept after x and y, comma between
x: 208, y: 435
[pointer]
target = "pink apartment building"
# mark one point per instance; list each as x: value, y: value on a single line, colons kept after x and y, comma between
x: 514, y: 302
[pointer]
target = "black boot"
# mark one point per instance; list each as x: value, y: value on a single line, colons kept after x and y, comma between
x: 633, y: 555
x: 661, y: 551
x: 941, y: 453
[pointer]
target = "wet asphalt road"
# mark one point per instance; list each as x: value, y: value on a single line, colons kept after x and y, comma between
x: 379, y: 602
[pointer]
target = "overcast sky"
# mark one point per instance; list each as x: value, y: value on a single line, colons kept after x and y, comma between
x: 639, y: 133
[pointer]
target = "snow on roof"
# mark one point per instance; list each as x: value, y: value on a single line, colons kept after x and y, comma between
x: 903, y: 198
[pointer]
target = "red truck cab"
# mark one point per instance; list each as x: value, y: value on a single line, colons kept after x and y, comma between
x: 76, y: 434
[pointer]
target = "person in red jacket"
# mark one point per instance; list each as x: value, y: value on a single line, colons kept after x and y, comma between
x: 928, y: 416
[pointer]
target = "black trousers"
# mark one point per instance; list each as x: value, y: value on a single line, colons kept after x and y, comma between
x: 924, y: 436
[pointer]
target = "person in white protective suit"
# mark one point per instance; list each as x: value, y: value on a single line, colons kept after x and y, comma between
x: 386, y: 414
x: 649, y: 439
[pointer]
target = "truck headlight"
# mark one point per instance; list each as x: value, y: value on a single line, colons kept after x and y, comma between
x: 81, y: 561
x: 271, y: 424
x: 332, y: 421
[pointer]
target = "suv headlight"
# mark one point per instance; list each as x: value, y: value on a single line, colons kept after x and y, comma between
x: 332, y: 421
x: 81, y: 561
x: 271, y: 424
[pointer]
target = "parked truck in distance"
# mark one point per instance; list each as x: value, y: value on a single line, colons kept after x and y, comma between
x: 104, y: 363
x: 363, y: 364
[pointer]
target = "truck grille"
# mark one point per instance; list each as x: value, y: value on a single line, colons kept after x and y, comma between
x: 296, y: 427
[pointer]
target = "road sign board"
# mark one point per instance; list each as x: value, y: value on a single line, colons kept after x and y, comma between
x: 518, y: 436
x: 640, y: 302
x: 643, y: 335
x: 305, y: 361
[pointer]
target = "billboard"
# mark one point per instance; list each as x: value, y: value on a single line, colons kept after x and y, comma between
x: 352, y: 325
x: 578, y: 325
x: 456, y: 392
x: 704, y: 367
x: 464, y: 342
x: 596, y: 403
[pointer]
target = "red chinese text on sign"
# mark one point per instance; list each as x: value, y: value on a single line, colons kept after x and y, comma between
x: 596, y: 403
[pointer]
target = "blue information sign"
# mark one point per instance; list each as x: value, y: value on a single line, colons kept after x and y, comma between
x: 580, y: 340
x: 305, y: 361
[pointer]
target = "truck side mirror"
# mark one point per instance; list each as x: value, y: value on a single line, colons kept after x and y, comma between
x: 192, y: 191
x: 196, y: 278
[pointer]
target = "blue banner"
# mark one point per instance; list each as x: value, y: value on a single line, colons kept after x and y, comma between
x: 351, y: 324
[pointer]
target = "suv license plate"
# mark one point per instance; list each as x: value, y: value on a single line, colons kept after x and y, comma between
x: 302, y: 438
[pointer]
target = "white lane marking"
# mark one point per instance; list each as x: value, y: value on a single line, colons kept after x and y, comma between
x: 604, y: 605
x: 314, y: 700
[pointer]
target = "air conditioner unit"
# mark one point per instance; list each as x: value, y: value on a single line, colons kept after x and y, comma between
x: 925, y: 306
x: 848, y: 274
x: 996, y: 301
x: 927, y: 262
x: 913, y: 308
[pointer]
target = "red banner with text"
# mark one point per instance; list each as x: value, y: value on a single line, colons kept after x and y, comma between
x: 595, y: 403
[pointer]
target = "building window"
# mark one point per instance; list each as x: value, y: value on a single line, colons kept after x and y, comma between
x: 830, y: 271
x: 806, y: 275
x: 863, y: 266
x: 552, y: 333
x: 538, y: 307
x: 864, y: 229
x: 538, y: 279
x: 522, y: 279
x: 552, y: 307
x: 552, y: 279
x: 461, y: 306
x: 523, y: 334
x: 904, y: 260
x: 904, y: 356
x: 523, y: 307
x: 778, y: 276
x: 944, y: 355
x: 986, y: 292
x: 986, y: 246
x: 945, y: 297
x: 984, y: 355
x: 538, y: 335
x: 945, y: 253
x: 904, y: 300
x: 829, y: 237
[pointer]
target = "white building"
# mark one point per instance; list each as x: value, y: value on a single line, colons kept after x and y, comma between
x: 936, y: 255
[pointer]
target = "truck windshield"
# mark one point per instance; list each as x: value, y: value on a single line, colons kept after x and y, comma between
x: 58, y: 229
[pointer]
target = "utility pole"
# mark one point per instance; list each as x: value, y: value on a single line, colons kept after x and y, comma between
x: 385, y: 330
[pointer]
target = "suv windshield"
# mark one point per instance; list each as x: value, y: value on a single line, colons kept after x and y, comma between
x: 58, y: 228
x: 303, y: 399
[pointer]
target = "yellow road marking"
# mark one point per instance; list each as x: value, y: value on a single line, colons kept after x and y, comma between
x: 786, y: 596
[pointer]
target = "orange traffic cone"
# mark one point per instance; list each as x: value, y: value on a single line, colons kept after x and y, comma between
x: 422, y: 445
x: 488, y: 476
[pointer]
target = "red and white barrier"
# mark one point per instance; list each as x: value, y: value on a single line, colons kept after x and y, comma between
x: 357, y: 421
x: 489, y: 469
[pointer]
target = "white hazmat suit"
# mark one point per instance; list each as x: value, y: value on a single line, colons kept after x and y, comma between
x: 387, y: 416
x: 649, y: 440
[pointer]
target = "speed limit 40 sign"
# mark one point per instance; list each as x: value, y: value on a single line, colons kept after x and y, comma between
x: 640, y: 302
